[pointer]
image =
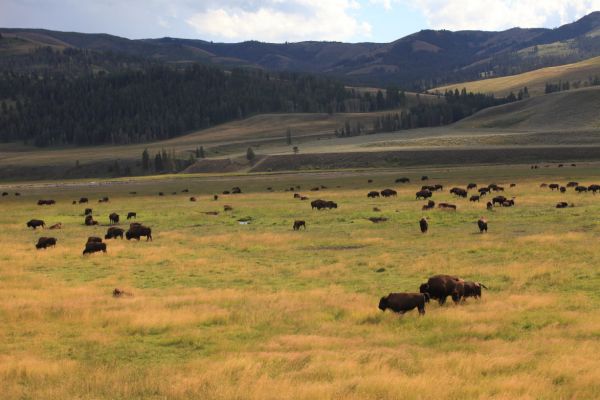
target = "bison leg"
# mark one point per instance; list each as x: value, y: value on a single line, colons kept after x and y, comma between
x: 422, y: 309
x: 442, y: 300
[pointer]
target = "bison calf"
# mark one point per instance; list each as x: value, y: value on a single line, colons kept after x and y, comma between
x: 403, y: 302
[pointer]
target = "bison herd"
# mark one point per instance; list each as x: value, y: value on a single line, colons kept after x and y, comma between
x: 438, y: 287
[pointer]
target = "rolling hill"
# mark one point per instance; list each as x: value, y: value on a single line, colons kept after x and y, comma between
x: 535, y: 80
x: 421, y: 60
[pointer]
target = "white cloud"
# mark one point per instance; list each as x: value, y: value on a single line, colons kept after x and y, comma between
x: 278, y: 21
x: 498, y: 14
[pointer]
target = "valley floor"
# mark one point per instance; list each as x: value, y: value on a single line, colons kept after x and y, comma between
x: 221, y: 310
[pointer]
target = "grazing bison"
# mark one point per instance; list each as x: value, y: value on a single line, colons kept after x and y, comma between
x: 474, y: 198
x: 56, y: 226
x: 137, y: 231
x: 471, y: 186
x: 482, y: 224
x: 508, y: 203
x: 35, y: 223
x: 114, y: 218
x: 377, y: 220
x: 89, y: 221
x: 446, y: 206
x: 88, y: 211
x: 572, y: 184
x: 483, y: 191
x: 563, y: 189
x: 594, y: 188
x: 473, y: 289
x: 322, y: 204
x: 424, y: 178
x: 46, y: 202
x: 131, y: 214
x: 373, y: 194
x: 581, y: 189
x: 94, y: 247
x: 402, y: 180
x: 459, y: 192
x: 216, y: 197
x: 299, y: 224
x: 45, y: 242
x: 236, y: 190
x: 423, y: 194
x: 192, y: 199
x: 403, y: 302
x: 430, y: 204
x: 424, y: 225
x: 114, y: 233
x: 498, y: 200
x: 83, y: 200
x: 489, y: 206
x: 297, y: 195
x: 554, y: 186
x: 431, y: 188
x: 439, y: 287
x: 389, y: 193
x: 94, y: 239
x: 227, y: 208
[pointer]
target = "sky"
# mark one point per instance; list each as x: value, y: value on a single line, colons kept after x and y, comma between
x: 287, y: 20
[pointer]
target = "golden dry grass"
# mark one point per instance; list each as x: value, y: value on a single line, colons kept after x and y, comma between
x: 227, y: 311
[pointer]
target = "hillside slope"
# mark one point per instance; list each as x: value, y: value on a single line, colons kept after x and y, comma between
x: 570, y: 110
x: 535, y: 81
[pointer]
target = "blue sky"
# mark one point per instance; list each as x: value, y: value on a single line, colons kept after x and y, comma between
x: 287, y: 20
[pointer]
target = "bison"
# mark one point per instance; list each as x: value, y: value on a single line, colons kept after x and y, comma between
x: 299, y: 224
x: 83, y: 200
x: 89, y: 221
x: 88, y: 211
x: 447, y: 206
x: 373, y: 194
x: 498, y: 200
x: 94, y: 239
x: 423, y: 194
x: 114, y: 218
x: 572, y: 184
x: 474, y: 198
x: 473, y: 289
x: 94, y: 247
x: 236, y: 190
x: 439, y: 287
x: 403, y: 302
x: 581, y: 189
x: 136, y: 232
x: 554, y: 186
x: 459, y: 192
x: 402, y: 180
x: 482, y: 224
x: 56, y: 226
x: 36, y: 223
x: 594, y: 188
x: 45, y: 242
x: 562, y: 204
x: 131, y: 215
x: 114, y: 233
x: 389, y: 193
x: 471, y: 186
x: 424, y: 225
x: 430, y: 204
x: 489, y: 206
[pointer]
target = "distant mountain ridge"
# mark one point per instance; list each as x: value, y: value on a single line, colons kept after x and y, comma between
x: 422, y: 60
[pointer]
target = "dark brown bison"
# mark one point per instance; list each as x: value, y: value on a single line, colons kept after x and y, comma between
x: 424, y: 178
x: 404, y: 302
x: 377, y: 220
x: 114, y: 233
x: 439, y: 287
x: 581, y: 189
x: 594, y: 188
x: 389, y: 193
x: 489, y: 206
x: 227, y: 208
x: 303, y: 198
x: 402, y: 180
x: 474, y: 198
x: 185, y: 191
x: 46, y: 202
x: 373, y: 194
x: 563, y: 189
x: 431, y: 188
x: 215, y: 197
x: 562, y: 204
x: 473, y: 289
x: 483, y: 191
x: 430, y: 204
x: 447, y: 206
x: 45, y: 242
x: 138, y: 231
x: 88, y: 211
x: 423, y: 194
x: 114, y: 218
x: 572, y: 184
x: 482, y: 224
x: 95, y: 239
x: 4, y: 194
x: 424, y: 225
x: 36, y: 223
x: 89, y: 221
x: 299, y: 224
x: 471, y: 186
x: 83, y: 200
x: 161, y: 193
x: 193, y: 199
x: 297, y: 195
x: 437, y: 187
x: 94, y: 247
x: 236, y: 190
x: 508, y: 203
x: 459, y: 192
x: 554, y: 186
x: 131, y: 215
x: 498, y: 200
x: 322, y: 204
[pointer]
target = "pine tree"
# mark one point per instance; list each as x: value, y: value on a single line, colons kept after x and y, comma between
x: 158, y: 164
x: 250, y: 156
x: 288, y: 137
x: 145, y: 160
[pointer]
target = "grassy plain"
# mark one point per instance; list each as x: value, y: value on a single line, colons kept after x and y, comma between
x: 228, y: 311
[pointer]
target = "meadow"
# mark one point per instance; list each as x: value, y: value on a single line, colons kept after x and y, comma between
x: 221, y: 310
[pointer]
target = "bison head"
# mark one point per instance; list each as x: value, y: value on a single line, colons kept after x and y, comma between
x: 424, y: 288
x: 383, y: 303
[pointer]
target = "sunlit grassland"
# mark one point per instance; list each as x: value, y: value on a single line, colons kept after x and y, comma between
x: 258, y: 311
